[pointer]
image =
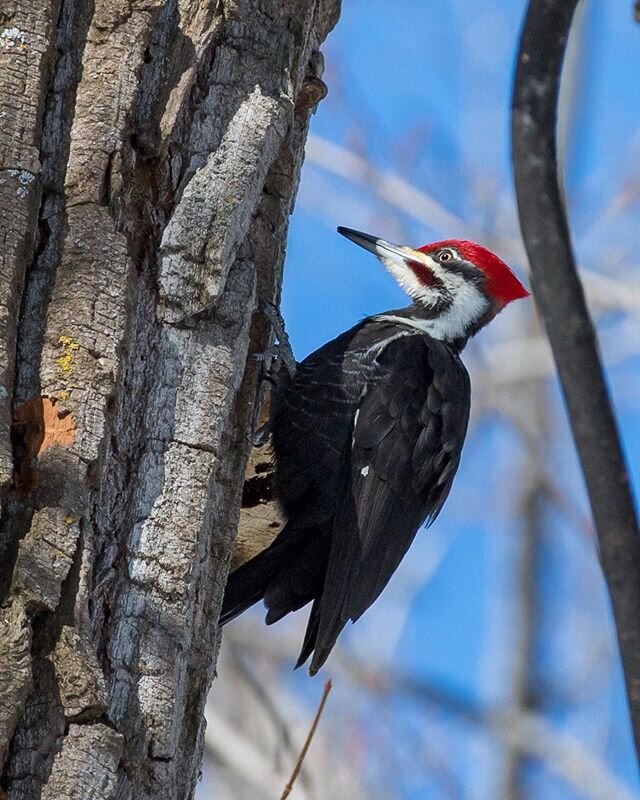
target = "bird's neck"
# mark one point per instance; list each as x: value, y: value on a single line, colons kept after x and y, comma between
x: 436, y: 322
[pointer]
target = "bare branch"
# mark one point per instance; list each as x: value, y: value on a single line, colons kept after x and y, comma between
x: 420, y: 206
x: 528, y: 734
x: 305, y: 746
x: 525, y: 732
x: 561, y: 302
x: 395, y: 190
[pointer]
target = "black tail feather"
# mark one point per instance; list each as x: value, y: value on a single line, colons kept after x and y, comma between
x: 245, y: 588
x: 247, y: 584
x: 288, y: 575
x: 311, y: 634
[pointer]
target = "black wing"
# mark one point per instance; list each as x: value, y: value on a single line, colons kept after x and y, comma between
x: 312, y: 429
x: 406, y: 448
x: 311, y: 434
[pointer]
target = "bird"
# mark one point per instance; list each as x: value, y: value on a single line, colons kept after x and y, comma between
x: 367, y: 437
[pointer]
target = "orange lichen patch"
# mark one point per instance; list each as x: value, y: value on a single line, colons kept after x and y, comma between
x: 59, y: 428
x: 41, y: 426
x: 37, y: 426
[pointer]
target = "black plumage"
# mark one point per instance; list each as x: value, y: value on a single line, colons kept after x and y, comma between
x: 367, y: 438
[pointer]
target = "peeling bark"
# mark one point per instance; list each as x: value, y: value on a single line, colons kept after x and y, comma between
x: 149, y: 158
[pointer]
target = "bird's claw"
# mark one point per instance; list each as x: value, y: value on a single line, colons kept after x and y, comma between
x: 282, y: 351
x: 260, y: 437
x: 271, y: 360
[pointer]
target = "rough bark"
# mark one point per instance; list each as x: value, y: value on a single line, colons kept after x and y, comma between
x: 149, y: 157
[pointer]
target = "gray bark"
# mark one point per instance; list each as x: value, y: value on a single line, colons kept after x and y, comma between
x: 149, y: 158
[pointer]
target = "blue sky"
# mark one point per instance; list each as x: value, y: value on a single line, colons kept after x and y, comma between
x: 422, y: 89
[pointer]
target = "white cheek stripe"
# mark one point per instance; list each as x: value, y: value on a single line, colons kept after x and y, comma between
x: 467, y: 308
x: 405, y: 277
x: 468, y: 303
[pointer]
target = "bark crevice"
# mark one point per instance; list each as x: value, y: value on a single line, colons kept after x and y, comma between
x: 170, y: 138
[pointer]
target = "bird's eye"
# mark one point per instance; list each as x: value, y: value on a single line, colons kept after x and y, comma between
x: 444, y: 256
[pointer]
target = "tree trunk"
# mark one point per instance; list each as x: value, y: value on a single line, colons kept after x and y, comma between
x: 149, y: 156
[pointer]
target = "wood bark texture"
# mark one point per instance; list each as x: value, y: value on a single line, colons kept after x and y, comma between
x: 149, y: 158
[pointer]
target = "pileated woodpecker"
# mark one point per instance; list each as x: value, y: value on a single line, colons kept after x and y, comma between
x: 367, y: 439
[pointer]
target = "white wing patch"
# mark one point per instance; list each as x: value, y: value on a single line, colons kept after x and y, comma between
x: 376, y: 349
x: 364, y: 471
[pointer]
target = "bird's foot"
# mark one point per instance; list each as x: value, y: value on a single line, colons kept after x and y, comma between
x: 282, y: 351
x: 260, y: 436
x: 272, y: 360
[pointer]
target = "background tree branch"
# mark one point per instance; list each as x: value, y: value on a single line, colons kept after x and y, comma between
x: 560, y: 299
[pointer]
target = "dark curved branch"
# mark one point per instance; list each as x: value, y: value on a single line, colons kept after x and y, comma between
x: 561, y: 303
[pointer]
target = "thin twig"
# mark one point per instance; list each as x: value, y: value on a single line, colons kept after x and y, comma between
x: 560, y: 299
x: 241, y: 757
x: 527, y: 732
x: 305, y: 746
